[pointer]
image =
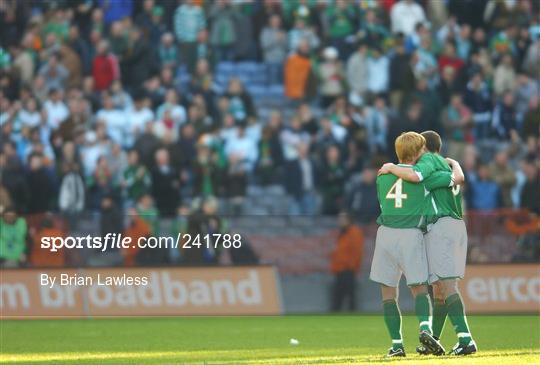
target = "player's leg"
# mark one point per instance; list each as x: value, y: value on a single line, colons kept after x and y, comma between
x: 432, y: 241
x: 338, y: 292
x: 456, y: 313
x: 385, y: 271
x: 422, y: 306
x: 447, y: 252
x: 392, y: 319
x: 440, y: 311
x: 413, y: 260
x: 438, y: 318
x: 423, y: 309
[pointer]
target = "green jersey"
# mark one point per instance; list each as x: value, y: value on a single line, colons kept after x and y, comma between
x: 409, y: 205
x: 448, y: 199
x: 12, y: 239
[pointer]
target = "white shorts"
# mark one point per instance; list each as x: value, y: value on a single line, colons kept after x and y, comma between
x: 399, y: 251
x: 446, y: 247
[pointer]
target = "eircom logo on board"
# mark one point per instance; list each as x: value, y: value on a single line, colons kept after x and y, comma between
x: 502, y: 288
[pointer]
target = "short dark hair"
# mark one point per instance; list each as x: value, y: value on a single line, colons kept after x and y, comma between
x: 433, y: 141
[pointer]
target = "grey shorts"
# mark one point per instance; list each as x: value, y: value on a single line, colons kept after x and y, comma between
x: 446, y: 247
x: 399, y: 251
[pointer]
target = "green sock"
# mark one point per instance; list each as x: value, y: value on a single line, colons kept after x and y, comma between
x: 439, y: 316
x: 456, y: 312
x: 422, y: 307
x: 392, y: 318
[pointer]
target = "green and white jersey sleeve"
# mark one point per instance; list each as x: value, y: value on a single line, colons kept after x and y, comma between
x: 448, y: 198
x: 429, y: 163
x: 438, y: 180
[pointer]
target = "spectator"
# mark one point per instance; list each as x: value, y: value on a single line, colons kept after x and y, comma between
x: 372, y: 30
x: 165, y: 184
x: 449, y: 85
x: 40, y: 185
x: 412, y: 122
x: 39, y: 257
x: 136, y: 178
x: 24, y: 63
x: 297, y: 71
x: 361, y: 196
x: 478, y: 99
x: 222, y: 30
x: 270, y: 157
x: 530, y: 193
x: 207, y: 174
x: 457, y: 122
x: 531, y: 124
x: 13, y: 236
x: 302, y: 33
x: 300, y: 184
x: 111, y: 222
x: 55, y: 109
x: 114, y: 120
x: 401, y: 75
x: 485, y: 193
x: 357, y: 71
x: 504, y: 77
x: 136, y: 228
x: 332, y: 179
x: 341, y: 17
x: 115, y: 10
x: 105, y: 67
x: 121, y: 98
x: 405, y: 14
x: 504, y: 118
x: 525, y: 90
x: 242, y: 149
x: 240, y: 103
x: 189, y: 20
x: 431, y: 104
x: 101, y: 184
x: 531, y: 64
x: 274, y: 47
x: 137, y: 118
x: 29, y: 116
x: 345, y: 263
x: 292, y: 137
x: 504, y: 176
x: 156, y: 27
x: 54, y: 74
x: 377, y: 68
x: 450, y: 59
x: 331, y: 77
x: 71, y: 196
x: 137, y: 64
x: 424, y: 63
x: 168, y: 53
x: 377, y: 121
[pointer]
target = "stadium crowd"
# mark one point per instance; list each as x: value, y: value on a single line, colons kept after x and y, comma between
x: 118, y: 106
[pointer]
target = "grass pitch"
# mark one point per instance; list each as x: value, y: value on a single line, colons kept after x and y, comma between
x: 330, y: 339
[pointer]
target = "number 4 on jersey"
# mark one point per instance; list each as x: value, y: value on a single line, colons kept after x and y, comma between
x: 396, y: 193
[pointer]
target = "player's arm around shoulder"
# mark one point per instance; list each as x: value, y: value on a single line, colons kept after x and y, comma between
x: 405, y: 173
x: 457, y: 172
x: 439, y: 179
